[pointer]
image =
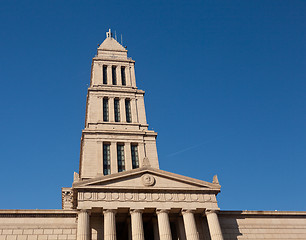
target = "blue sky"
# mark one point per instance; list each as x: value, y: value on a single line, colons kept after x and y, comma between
x: 225, y: 90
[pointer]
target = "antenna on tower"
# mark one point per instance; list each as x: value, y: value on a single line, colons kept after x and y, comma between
x: 115, y: 36
x: 121, y: 39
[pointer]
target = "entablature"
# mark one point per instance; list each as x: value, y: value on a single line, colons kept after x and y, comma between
x: 115, y: 88
x: 113, y: 60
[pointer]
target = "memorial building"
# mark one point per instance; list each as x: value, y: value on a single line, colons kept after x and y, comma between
x: 120, y: 192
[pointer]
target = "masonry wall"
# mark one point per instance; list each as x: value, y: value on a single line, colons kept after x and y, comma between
x: 262, y: 225
x: 38, y: 225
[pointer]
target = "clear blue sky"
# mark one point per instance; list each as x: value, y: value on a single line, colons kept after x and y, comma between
x: 225, y: 90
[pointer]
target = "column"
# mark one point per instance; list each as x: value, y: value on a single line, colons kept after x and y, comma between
x: 128, y: 76
x: 83, y: 225
x: 111, y: 110
x: 134, y: 111
x: 128, y: 156
x: 164, y: 225
x: 213, y: 225
x: 109, y: 75
x: 137, y: 225
x: 190, y: 225
x: 122, y: 110
x: 109, y: 224
x: 113, y: 157
x: 118, y: 75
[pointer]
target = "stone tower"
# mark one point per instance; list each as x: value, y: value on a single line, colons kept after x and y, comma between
x: 120, y: 192
x: 116, y: 136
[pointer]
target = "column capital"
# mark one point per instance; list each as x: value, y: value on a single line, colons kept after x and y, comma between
x: 109, y: 211
x: 209, y: 211
x: 188, y: 211
x: 136, y: 211
x: 162, y: 211
x: 85, y: 211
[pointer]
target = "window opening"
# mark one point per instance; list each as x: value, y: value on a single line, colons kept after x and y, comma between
x: 123, y: 76
x: 106, y: 158
x: 105, y: 110
x: 114, y: 75
x: 117, y: 110
x: 134, y: 151
x: 128, y: 110
x: 120, y: 157
x: 104, y: 74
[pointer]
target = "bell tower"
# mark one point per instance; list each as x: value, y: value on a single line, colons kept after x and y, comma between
x: 116, y: 136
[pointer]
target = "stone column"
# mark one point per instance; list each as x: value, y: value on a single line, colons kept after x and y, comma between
x: 190, y: 225
x: 109, y: 75
x: 109, y: 224
x: 137, y: 224
x: 128, y: 156
x: 122, y: 110
x: 113, y: 158
x: 118, y: 75
x: 111, y: 109
x: 164, y: 225
x: 83, y: 225
x: 134, y: 111
x: 213, y: 225
x: 128, y: 76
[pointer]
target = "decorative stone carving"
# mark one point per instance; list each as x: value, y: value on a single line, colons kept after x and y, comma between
x: 148, y: 180
x: 67, y: 198
x: 136, y: 196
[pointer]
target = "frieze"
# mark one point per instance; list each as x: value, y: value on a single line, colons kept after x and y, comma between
x: 116, y: 196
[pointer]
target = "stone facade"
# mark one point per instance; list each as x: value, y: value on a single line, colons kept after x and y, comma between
x: 262, y: 225
x: 120, y: 192
x: 38, y: 224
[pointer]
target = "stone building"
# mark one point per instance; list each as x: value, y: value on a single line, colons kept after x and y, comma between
x: 120, y: 192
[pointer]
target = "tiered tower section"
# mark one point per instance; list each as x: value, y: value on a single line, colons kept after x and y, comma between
x: 116, y: 136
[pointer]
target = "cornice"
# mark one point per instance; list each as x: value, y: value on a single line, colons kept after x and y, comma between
x: 129, y: 60
x: 105, y: 88
x: 38, y: 213
x: 264, y: 213
x: 116, y: 132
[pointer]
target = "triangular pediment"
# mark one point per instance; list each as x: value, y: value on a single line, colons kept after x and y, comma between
x: 147, y: 178
x: 110, y: 44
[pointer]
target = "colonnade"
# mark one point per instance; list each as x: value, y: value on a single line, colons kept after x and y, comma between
x: 122, y: 109
x: 129, y: 74
x: 162, y: 227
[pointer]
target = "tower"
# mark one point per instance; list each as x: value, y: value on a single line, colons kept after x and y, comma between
x: 116, y: 136
x: 120, y: 192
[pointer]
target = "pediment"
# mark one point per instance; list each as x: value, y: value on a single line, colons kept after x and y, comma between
x: 111, y: 44
x: 146, y: 178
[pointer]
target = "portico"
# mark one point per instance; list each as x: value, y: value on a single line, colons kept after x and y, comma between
x: 167, y: 224
x: 163, y: 202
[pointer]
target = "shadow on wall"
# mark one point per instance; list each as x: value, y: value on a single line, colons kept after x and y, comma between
x: 229, y: 226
